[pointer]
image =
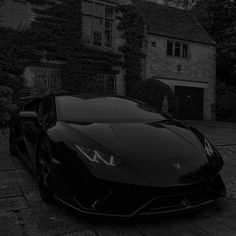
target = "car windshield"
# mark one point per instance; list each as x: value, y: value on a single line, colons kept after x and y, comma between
x: 105, y: 110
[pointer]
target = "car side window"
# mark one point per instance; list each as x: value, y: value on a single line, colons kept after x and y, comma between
x: 46, y: 112
x: 31, y: 106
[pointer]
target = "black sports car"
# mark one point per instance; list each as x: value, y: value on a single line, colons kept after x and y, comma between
x: 115, y: 156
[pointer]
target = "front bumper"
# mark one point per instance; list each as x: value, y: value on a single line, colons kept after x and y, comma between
x: 114, y: 199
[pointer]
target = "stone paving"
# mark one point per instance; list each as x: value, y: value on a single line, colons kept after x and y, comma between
x: 23, y: 213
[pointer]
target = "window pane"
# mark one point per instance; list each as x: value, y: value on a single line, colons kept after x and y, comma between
x: 108, y: 34
x: 99, y: 83
x: 169, y: 48
x: 177, y: 49
x: 97, y: 38
x: 110, y: 83
x: 109, y: 12
x: 185, y: 50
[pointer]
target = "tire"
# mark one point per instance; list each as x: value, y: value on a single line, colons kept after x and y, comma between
x: 12, y: 145
x: 44, y: 172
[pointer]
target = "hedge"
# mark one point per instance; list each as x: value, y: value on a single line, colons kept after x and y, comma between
x: 153, y: 92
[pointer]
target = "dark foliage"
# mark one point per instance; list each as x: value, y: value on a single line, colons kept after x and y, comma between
x: 58, y: 26
x: 226, y: 102
x: 16, y: 51
x: 218, y: 17
x: 133, y: 27
x: 152, y: 91
x: 6, y: 105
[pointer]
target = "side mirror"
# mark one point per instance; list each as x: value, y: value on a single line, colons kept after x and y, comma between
x: 28, y: 114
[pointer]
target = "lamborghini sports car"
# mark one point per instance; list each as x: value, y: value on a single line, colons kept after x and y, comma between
x: 114, y: 156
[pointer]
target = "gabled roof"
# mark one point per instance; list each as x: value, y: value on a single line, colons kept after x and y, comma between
x: 172, y: 22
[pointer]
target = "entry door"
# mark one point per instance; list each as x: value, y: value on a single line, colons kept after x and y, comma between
x: 190, y: 102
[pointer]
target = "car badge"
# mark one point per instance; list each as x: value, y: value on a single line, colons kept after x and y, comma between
x: 177, y: 166
x: 185, y: 203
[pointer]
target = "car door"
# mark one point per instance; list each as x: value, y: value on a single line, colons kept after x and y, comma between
x: 31, y: 128
x: 45, y: 119
x: 47, y: 113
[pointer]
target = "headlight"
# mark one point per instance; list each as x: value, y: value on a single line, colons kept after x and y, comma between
x: 208, y: 148
x: 214, y: 158
x: 98, y: 157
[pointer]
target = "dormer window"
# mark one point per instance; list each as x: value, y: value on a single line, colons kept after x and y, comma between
x: 177, y: 49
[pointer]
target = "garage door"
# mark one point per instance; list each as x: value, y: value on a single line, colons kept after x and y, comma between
x: 190, y: 103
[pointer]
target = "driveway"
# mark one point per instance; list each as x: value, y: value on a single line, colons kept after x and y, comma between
x: 23, y: 213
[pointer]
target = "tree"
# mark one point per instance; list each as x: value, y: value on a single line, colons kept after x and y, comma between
x: 133, y: 27
x: 218, y: 18
x: 153, y: 92
x: 5, y: 105
x: 185, y: 4
x: 16, y: 51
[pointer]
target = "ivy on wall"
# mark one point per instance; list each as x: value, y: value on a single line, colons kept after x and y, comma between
x: 59, y: 29
x: 133, y: 26
x: 57, y: 33
x: 16, y: 52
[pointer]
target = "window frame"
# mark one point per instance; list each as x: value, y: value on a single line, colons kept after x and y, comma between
x: 181, y: 49
x: 49, y: 75
x: 106, y: 78
x: 102, y: 82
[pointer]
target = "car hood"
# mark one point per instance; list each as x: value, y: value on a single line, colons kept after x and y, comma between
x: 153, y: 154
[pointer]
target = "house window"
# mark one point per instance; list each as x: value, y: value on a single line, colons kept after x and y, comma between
x: 177, y: 49
x: 110, y: 83
x: 109, y: 12
x: 108, y: 34
x: 97, y: 38
x: 47, y: 78
x: 169, y: 48
x: 98, y: 24
x: 185, y: 51
x: 105, y: 83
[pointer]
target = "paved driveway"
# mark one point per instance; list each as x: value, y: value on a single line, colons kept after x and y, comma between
x: 23, y: 213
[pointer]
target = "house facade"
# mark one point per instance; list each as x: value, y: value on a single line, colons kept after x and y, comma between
x: 178, y: 51
x: 182, y: 55
x: 99, y: 26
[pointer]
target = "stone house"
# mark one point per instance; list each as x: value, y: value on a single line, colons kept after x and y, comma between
x: 178, y: 51
x: 181, y: 54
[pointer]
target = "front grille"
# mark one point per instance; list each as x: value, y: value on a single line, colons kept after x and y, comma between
x: 178, y: 202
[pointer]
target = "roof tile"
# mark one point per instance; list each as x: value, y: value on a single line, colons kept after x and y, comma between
x: 172, y: 22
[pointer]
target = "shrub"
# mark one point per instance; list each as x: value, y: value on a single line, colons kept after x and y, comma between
x: 153, y: 91
x: 225, y: 102
x: 6, y: 106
